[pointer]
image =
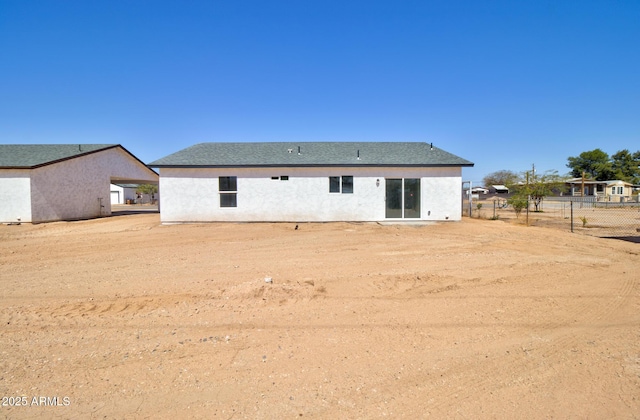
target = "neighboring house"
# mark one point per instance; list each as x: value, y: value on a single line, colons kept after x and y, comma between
x: 498, y: 189
x: 48, y: 182
x: 319, y: 182
x: 614, y: 190
x: 591, y: 187
x: 479, y: 190
x: 619, y: 190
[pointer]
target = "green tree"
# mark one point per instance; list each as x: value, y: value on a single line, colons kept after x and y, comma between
x: 537, y: 187
x: 149, y: 189
x: 626, y: 166
x: 503, y: 177
x: 595, y: 164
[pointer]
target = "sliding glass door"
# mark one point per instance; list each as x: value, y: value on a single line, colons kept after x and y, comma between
x: 393, y: 198
x: 402, y: 198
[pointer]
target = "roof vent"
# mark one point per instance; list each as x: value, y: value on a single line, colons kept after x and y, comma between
x: 299, y: 150
x: 432, y: 146
x: 358, y: 154
x: 290, y: 150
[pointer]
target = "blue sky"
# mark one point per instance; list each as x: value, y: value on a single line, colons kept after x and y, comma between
x: 505, y: 84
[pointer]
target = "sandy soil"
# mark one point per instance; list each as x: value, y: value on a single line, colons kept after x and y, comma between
x: 125, y: 318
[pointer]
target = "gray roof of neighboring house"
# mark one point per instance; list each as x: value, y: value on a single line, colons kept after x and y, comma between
x: 29, y: 156
x: 310, y: 154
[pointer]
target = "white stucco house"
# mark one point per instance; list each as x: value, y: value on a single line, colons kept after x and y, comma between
x: 49, y: 182
x: 312, y: 181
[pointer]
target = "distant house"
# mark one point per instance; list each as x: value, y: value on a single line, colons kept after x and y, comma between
x: 614, y: 190
x: 619, y: 190
x: 49, y: 182
x: 591, y: 187
x: 479, y: 190
x: 362, y: 181
x: 498, y: 189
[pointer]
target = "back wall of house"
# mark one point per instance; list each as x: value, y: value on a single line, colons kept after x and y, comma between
x: 192, y: 195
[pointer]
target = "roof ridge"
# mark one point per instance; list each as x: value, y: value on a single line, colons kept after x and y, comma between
x: 327, y: 153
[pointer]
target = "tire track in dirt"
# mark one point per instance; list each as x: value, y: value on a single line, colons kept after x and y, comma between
x: 71, y: 314
x: 555, y: 338
x: 101, y: 310
x: 550, y: 340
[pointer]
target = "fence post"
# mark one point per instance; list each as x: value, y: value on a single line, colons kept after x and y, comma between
x: 571, y: 215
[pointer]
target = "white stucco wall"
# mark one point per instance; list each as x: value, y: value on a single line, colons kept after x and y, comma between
x: 77, y: 188
x: 191, y: 195
x: 116, y: 194
x: 15, y: 195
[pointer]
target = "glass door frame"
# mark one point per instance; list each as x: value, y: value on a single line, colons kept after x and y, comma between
x: 406, y: 194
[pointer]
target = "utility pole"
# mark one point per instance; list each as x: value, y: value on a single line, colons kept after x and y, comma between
x: 533, y: 171
x: 533, y: 180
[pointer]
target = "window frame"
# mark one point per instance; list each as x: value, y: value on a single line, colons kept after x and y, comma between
x: 228, y: 191
x: 337, y: 184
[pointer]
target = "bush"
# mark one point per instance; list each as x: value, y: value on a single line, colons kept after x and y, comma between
x: 518, y: 203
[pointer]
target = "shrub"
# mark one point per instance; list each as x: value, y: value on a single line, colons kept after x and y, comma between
x: 518, y: 203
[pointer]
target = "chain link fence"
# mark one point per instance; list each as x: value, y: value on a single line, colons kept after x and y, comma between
x: 605, y: 219
x: 576, y: 214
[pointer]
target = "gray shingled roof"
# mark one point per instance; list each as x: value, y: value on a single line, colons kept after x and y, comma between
x: 310, y: 154
x: 28, y: 156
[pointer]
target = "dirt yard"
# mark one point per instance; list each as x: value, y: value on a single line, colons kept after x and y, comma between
x: 125, y: 318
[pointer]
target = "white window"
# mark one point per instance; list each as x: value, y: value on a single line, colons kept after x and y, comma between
x: 343, y: 184
x: 228, y: 189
